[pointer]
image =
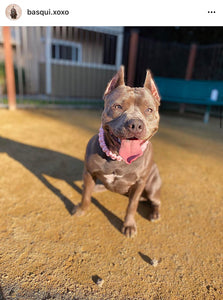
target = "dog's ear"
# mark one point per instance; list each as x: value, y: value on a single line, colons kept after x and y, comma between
x: 150, y: 84
x: 117, y: 80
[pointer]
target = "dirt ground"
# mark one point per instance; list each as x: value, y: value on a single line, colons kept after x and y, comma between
x: 46, y: 253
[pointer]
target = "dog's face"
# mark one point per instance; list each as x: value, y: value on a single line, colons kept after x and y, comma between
x: 130, y: 115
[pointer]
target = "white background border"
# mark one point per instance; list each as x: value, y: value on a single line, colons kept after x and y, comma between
x: 118, y: 13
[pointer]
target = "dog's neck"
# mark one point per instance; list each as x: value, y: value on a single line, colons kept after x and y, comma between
x: 108, y: 152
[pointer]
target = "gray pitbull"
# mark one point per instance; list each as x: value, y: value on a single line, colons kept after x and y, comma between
x: 121, y: 155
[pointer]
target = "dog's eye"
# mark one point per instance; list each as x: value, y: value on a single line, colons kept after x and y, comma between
x: 117, y: 106
x: 149, y: 110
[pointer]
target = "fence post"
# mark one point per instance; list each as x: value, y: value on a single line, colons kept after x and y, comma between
x: 9, y: 69
x: 48, y: 61
x: 119, y: 50
x: 190, y: 69
x: 133, y: 48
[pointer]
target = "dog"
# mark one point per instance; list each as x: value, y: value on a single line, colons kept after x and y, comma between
x: 121, y: 155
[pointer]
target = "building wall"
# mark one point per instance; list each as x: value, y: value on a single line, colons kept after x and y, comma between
x: 68, y: 79
x: 29, y: 50
x: 92, y: 42
x: 92, y: 51
x: 76, y: 81
x: 34, y: 49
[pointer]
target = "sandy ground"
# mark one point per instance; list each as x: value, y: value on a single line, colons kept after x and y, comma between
x: 45, y: 253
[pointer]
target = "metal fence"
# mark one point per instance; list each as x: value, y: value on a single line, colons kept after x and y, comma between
x: 170, y: 59
x: 209, y: 62
x: 164, y: 59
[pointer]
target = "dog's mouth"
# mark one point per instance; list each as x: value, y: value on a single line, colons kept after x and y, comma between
x: 118, y: 140
x: 129, y: 148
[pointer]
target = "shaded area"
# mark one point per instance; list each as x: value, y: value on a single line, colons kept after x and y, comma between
x: 112, y: 218
x: 144, y: 209
x: 1, y: 294
x: 16, y: 291
x: 146, y: 258
x: 96, y: 279
x: 42, y: 162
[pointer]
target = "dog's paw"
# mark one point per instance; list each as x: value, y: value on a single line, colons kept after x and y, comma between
x: 129, y: 229
x: 78, y: 211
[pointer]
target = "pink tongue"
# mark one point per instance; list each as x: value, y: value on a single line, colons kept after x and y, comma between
x: 130, y: 150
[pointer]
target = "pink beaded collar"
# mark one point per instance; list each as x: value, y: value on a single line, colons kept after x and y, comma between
x: 110, y: 153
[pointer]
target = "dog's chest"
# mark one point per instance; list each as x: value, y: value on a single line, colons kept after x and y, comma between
x: 118, y: 182
x: 111, y: 178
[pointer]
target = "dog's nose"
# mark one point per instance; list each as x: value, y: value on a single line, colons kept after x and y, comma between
x: 135, y: 126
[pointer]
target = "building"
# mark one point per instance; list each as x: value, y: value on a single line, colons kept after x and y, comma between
x: 67, y: 62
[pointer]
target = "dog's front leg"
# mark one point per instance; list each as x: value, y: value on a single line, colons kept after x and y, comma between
x: 129, y: 227
x: 88, y: 188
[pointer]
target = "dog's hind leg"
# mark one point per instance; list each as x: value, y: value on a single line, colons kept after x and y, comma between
x: 152, y: 193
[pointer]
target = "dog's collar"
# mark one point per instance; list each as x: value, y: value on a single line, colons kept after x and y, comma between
x: 105, y: 148
x: 108, y: 152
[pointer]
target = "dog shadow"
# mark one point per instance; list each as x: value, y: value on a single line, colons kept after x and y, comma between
x: 146, y: 258
x: 41, y: 162
x: 144, y: 209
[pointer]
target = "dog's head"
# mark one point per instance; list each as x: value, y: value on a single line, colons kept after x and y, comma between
x: 130, y: 115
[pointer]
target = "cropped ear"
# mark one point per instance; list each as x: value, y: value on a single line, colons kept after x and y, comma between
x: 150, y: 84
x: 117, y: 80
